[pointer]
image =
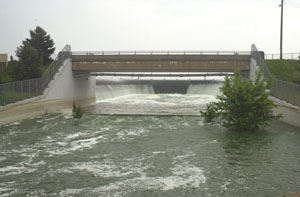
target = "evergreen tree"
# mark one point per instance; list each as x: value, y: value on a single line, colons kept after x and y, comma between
x: 29, y: 64
x: 42, y: 43
x: 243, y: 105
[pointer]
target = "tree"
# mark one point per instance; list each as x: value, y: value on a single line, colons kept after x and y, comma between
x: 42, y: 43
x: 242, y: 105
x: 29, y: 64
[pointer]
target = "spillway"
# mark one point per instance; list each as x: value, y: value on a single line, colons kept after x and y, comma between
x: 157, y: 97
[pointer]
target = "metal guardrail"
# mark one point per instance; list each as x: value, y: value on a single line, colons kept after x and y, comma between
x: 289, y: 92
x: 21, y: 90
x: 287, y: 56
x: 161, y: 53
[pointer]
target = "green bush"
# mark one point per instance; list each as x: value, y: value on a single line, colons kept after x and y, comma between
x: 76, y: 111
x: 5, y: 78
x: 242, y: 105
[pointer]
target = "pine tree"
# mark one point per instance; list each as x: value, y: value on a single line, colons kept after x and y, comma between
x: 28, y: 66
x: 42, y: 43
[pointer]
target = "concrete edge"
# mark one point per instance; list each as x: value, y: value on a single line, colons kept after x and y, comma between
x: 22, y: 111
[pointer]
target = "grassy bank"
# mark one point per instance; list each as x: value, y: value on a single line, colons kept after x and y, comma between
x: 287, y: 70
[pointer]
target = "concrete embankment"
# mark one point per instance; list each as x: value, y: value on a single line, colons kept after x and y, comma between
x: 290, y: 113
x: 15, y: 112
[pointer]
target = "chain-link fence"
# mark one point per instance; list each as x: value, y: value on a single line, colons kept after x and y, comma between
x: 20, y: 90
x: 289, y: 92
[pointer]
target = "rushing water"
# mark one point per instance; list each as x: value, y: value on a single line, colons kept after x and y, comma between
x: 145, y: 156
x: 113, y: 155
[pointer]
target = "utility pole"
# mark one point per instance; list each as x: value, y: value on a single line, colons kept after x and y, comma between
x: 281, y: 25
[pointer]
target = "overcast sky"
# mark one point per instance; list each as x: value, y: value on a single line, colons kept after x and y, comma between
x: 97, y: 25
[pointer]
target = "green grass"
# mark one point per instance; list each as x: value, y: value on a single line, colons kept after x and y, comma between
x: 286, y: 70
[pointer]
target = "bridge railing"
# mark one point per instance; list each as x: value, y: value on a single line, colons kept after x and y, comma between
x: 286, y: 56
x: 21, y: 90
x: 90, y: 53
x: 289, y: 92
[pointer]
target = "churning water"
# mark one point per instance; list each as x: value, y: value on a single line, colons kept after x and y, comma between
x: 121, y: 155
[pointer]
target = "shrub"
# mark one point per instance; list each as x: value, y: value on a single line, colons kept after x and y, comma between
x: 242, y: 105
x: 76, y: 111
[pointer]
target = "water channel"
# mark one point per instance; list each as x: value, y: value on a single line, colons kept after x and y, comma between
x: 176, y: 154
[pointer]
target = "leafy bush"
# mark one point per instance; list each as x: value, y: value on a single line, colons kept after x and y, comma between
x: 76, y: 111
x: 5, y: 78
x: 242, y: 105
x: 210, y: 112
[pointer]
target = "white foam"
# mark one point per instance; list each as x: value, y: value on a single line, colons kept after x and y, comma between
x: 85, y: 143
x: 14, y: 123
x: 70, y: 191
x: 183, y: 175
x: 224, y: 186
x: 13, y: 170
x: 68, y: 147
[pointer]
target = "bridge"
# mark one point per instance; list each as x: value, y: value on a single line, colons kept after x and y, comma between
x: 154, y: 62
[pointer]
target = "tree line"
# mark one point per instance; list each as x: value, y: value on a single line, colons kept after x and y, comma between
x: 34, y: 56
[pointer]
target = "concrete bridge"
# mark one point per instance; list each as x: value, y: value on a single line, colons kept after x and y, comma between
x: 63, y: 82
x: 71, y: 77
x: 89, y: 63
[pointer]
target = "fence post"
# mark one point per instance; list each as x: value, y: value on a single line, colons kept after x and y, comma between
x: 13, y: 90
x: 4, y: 101
x: 29, y: 89
x: 22, y: 96
x: 3, y: 94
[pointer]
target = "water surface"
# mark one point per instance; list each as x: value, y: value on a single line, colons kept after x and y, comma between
x: 52, y: 155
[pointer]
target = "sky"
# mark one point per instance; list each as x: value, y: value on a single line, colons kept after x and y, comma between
x: 118, y: 25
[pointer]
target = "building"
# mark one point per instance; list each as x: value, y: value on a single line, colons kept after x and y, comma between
x: 3, y: 62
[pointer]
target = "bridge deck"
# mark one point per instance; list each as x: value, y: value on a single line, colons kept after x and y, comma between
x: 161, y: 63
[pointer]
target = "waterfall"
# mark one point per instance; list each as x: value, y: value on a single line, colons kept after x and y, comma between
x: 111, y: 89
x: 154, y: 97
x: 205, y: 87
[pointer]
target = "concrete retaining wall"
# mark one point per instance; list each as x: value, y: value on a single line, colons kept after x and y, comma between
x: 58, y: 97
x: 65, y: 86
x: 20, y: 111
